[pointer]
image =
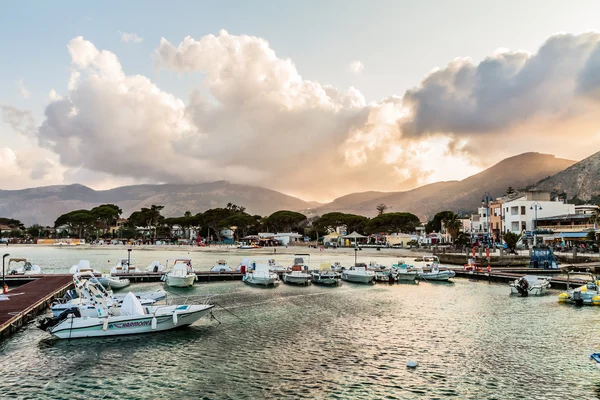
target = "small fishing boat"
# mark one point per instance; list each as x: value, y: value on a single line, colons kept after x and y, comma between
x: 131, y: 318
x: 325, y: 276
x: 297, y: 276
x: 436, y: 274
x: 586, y: 294
x: 275, y: 267
x: 337, y: 267
x: 181, y: 275
x: 113, y: 282
x: 530, y: 285
x: 83, y: 268
x: 405, y: 272
x: 20, y: 266
x: 221, y: 266
x: 124, y: 266
x: 260, y: 275
x: 358, y: 274
x: 385, y: 275
x: 156, y: 266
x: 375, y: 267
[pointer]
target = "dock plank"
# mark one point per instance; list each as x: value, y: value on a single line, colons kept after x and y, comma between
x: 27, y: 300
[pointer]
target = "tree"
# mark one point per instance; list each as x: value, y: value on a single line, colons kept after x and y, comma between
x: 510, y: 191
x: 511, y: 239
x: 393, y: 223
x: 107, y: 215
x: 212, y: 220
x: 453, y: 225
x: 284, y: 220
x: 591, y: 236
x: 147, y: 217
x: 242, y: 222
x: 330, y: 221
x: 435, y: 225
x: 462, y: 239
x: 381, y: 208
x: 36, y: 230
x: 12, y: 223
x: 78, y: 221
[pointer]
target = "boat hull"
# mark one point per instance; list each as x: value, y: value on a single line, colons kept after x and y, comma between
x: 180, y: 281
x: 357, y: 278
x: 73, y: 328
x: 325, y: 280
x: 260, y: 280
x: 438, y: 276
x: 535, y: 291
x: 406, y: 276
x: 114, y: 283
x: 296, y: 280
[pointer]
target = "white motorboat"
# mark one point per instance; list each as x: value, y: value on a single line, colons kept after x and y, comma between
x: 260, y: 275
x: 113, y: 282
x: 405, y: 273
x: 156, y: 266
x: 182, y: 274
x: 297, y: 276
x: 221, y: 266
x: 325, y: 276
x: 436, y: 274
x: 530, y: 285
x: 84, y: 267
x: 131, y: 318
x: 275, y: 267
x: 124, y: 266
x: 337, y: 267
x: 22, y: 267
x: 431, y: 259
x: 358, y: 274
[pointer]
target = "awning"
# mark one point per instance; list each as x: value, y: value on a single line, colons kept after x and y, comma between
x: 573, y: 235
x: 354, y: 235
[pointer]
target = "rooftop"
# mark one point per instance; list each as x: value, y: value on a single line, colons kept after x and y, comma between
x: 566, y: 217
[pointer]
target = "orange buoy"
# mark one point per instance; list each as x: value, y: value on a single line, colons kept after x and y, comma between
x: 5, y: 288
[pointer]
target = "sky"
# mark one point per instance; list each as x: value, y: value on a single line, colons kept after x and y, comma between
x: 316, y: 99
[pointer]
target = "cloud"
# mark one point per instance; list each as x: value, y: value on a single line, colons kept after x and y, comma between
x: 20, y: 121
x: 130, y: 37
x: 258, y: 121
x: 356, y: 67
x: 22, y: 89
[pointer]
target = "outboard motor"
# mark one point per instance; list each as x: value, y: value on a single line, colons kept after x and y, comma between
x: 155, y: 268
x: 578, y: 297
x: 522, y: 287
x: 50, y: 322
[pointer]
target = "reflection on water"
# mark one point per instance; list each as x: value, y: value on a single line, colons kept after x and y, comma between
x: 472, y: 341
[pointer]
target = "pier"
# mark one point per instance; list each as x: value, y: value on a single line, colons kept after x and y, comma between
x: 27, y: 301
x: 556, y: 282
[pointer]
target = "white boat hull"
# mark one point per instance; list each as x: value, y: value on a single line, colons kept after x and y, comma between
x: 72, y: 328
x: 328, y: 279
x: 114, y: 283
x: 357, y: 278
x: 260, y: 280
x: 534, y: 291
x: 296, y: 280
x: 438, y: 276
x: 180, y: 281
x: 407, y: 276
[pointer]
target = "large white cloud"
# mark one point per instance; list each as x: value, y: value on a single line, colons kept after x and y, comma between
x: 263, y: 123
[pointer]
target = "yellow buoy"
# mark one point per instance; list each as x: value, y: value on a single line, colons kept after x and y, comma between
x: 596, y: 300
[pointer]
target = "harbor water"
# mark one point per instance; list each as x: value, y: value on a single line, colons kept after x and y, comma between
x: 471, y: 341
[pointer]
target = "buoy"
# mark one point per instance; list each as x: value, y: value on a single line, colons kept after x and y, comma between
x: 412, y: 364
x: 105, y: 326
x: 153, y: 323
x: 5, y: 290
x: 174, y: 318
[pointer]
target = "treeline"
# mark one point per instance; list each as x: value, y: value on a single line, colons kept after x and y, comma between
x: 101, y: 222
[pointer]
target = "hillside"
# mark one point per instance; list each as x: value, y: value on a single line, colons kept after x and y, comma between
x: 518, y: 171
x: 43, y: 205
x: 580, y: 180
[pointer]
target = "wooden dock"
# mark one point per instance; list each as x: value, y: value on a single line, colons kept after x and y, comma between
x: 27, y: 301
x: 556, y: 282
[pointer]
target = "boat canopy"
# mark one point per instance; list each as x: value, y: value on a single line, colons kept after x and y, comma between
x: 131, y: 305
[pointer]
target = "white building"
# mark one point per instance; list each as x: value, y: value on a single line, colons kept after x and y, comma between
x: 519, y: 214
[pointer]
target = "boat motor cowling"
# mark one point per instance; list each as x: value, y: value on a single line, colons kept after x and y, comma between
x: 50, y: 322
x: 522, y: 287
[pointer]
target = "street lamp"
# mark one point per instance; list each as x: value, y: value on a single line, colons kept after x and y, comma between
x: 485, y: 200
x: 128, y: 258
x: 4, y: 287
x: 355, y: 255
x: 535, y: 206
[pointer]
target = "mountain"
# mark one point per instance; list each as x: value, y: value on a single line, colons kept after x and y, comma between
x: 518, y: 171
x: 44, y: 204
x: 580, y: 180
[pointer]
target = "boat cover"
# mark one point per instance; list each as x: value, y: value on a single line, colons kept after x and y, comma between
x: 131, y: 305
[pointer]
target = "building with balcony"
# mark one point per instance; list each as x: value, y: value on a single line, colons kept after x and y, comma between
x: 520, y: 214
